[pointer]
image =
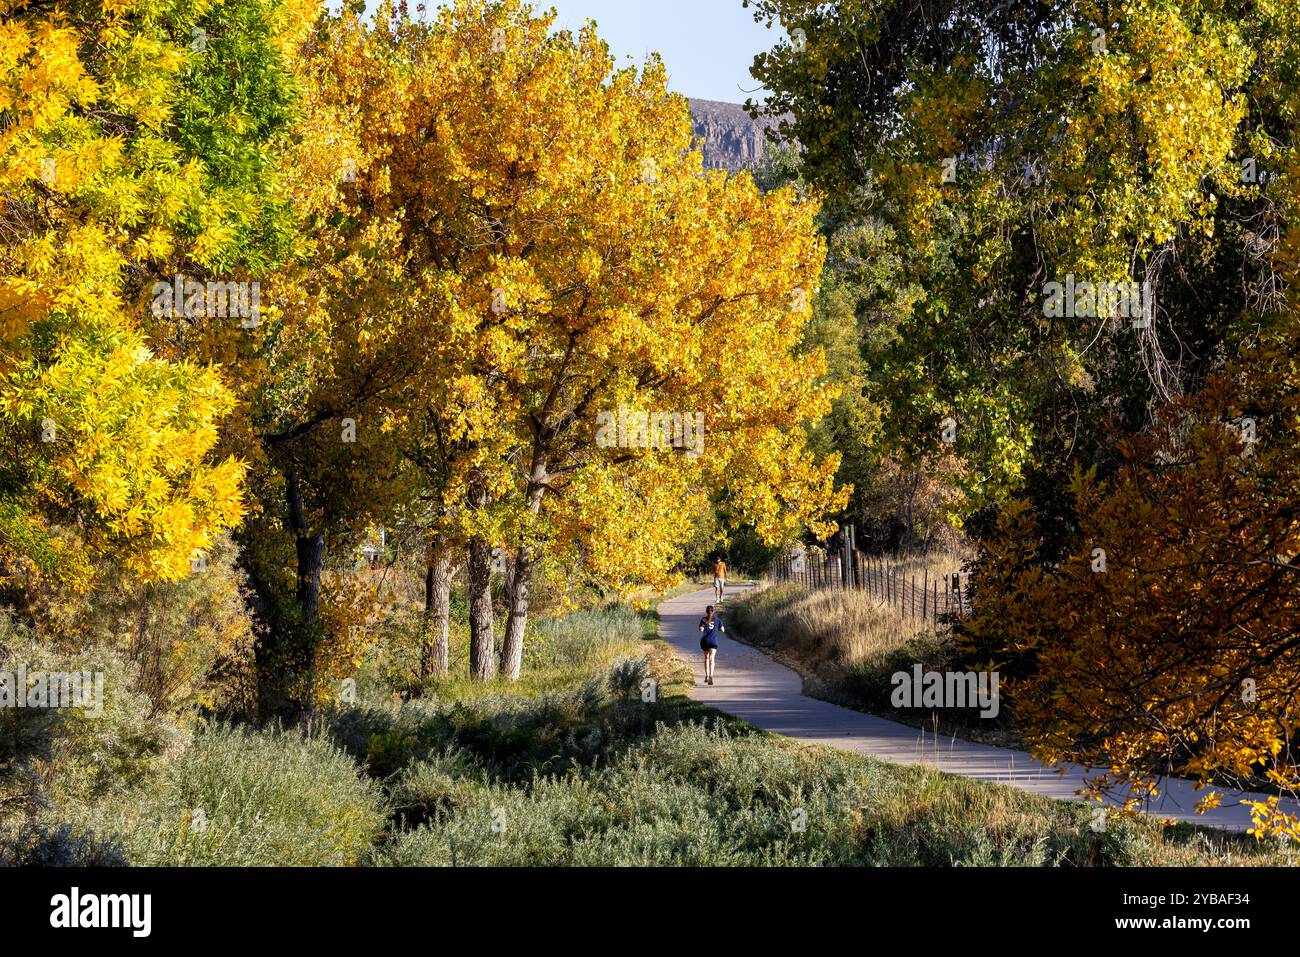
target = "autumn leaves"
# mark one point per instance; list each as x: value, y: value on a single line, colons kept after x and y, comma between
x: 470, y: 238
x: 1095, y: 303
x: 570, y: 258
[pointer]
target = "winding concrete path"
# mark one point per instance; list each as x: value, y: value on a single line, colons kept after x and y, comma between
x: 770, y: 696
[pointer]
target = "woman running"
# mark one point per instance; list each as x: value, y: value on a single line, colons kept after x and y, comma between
x: 710, y: 627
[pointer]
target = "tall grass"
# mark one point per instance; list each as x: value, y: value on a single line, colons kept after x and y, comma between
x: 847, y: 645
x: 560, y: 651
x: 588, y: 636
x: 819, y: 628
x: 239, y: 797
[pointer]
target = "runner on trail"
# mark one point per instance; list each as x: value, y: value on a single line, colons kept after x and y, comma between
x: 719, y: 578
x: 710, y: 627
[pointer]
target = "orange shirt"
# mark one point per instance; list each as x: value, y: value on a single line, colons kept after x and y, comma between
x: 720, y: 569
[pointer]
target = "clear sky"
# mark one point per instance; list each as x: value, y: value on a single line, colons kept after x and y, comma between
x: 707, y: 45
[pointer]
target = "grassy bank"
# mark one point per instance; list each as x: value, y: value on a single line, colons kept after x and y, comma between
x: 597, y: 759
x: 846, y: 645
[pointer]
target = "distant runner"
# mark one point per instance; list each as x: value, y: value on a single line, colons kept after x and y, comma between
x: 710, y: 627
x: 719, y: 578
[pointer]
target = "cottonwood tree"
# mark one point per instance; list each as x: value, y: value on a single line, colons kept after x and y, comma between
x: 119, y: 157
x: 1167, y: 640
x: 577, y: 258
x: 998, y: 147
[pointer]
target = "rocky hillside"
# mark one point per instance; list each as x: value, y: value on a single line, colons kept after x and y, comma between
x: 732, y: 140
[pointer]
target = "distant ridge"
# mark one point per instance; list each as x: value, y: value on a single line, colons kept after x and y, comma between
x: 731, y: 139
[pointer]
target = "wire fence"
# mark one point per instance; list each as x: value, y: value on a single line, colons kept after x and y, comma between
x: 918, y: 594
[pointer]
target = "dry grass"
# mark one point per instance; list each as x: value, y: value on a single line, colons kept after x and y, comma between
x: 847, y: 645
x: 839, y: 629
x: 937, y: 564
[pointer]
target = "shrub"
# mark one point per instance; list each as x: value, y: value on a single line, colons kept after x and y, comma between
x: 513, y: 737
x: 37, y: 844
x: 191, y: 641
x: 75, y: 754
x: 628, y: 675
x: 693, y: 795
x: 432, y: 790
x: 239, y: 797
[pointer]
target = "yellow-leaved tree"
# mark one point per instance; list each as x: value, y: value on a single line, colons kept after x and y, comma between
x: 122, y: 152
x: 574, y: 272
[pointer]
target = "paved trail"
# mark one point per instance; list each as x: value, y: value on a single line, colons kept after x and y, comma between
x: 770, y: 696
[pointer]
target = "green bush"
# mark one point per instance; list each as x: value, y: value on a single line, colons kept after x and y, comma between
x: 77, y: 753
x: 513, y: 737
x: 431, y: 791
x: 627, y: 676
x: 37, y: 844
x: 697, y: 789
x: 694, y: 796
x: 239, y: 797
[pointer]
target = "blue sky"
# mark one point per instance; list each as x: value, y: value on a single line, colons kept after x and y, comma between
x: 707, y: 45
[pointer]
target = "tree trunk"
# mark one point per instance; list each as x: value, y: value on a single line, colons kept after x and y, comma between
x: 512, y: 648
x: 434, y: 653
x: 310, y: 549
x: 482, y: 641
x: 521, y: 578
x: 478, y: 574
x: 311, y: 557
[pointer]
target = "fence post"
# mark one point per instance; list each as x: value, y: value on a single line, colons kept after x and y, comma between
x: 925, y: 589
